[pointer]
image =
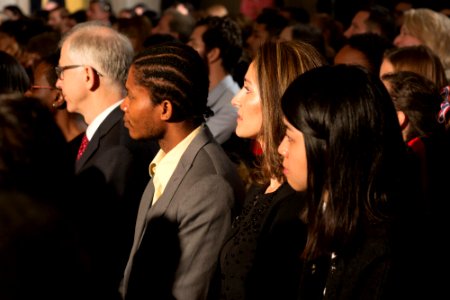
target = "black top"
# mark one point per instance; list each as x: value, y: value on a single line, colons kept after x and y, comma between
x: 261, y: 257
x: 361, y: 271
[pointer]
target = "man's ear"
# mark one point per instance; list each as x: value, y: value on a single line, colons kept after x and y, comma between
x: 166, y: 110
x: 92, y: 79
x: 213, y: 55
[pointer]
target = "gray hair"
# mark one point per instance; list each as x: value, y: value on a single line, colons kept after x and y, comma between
x: 101, y: 47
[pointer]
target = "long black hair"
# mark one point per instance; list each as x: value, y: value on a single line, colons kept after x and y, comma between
x: 354, y: 146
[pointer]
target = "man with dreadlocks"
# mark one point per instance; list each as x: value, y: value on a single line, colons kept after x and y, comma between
x: 187, y: 208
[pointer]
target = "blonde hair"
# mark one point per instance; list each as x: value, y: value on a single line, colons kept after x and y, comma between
x: 432, y: 29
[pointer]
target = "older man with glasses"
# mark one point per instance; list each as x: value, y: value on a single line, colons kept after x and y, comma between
x: 112, y: 169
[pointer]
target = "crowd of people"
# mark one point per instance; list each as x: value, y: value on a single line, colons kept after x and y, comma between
x: 196, y: 154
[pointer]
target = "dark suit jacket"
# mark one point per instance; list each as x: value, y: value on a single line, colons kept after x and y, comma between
x: 177, y: 240
x: 260, y: 259
x: 112, y: 174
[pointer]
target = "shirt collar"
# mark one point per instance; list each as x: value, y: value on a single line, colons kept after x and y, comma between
x: 95, y: 124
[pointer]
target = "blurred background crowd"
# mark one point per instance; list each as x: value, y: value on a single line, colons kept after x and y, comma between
x: 404, y: 44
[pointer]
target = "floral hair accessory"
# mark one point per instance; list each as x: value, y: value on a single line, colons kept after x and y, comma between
x: 445, y: 105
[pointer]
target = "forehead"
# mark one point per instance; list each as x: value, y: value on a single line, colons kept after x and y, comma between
x: 131, y: 79
x: 286, y: 33
x: 54, y: 14
x: 41, y: 68
x: 64, y: 54
x: 131, y: 75
x: 352, y: 56
x: 40, y: 73
x: 94, y: 6
x: 361, y: 17
x: 5, y: 38
x: 165, y: 20
x: 251, y: 73
x: 291, y: 129
x: 69, y: 53
x: 402, y: 6
x: 134, y: 88
x: 259, y: 28
x: 387, y: 64
x: 199, y: 31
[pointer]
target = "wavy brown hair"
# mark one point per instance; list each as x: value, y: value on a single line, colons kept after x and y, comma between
x: 277, y: 65
x: 418, y: 59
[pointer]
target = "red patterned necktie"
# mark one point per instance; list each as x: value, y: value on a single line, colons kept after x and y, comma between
x: 83, y: 146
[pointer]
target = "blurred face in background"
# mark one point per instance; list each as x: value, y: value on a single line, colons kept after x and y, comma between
x: 358, y: 25
x: 196, y: 40
x: 55, y: 20
x: 386, y: 67
x: 286, y: 34
x: 351, y: 56
x: 257, y: 38
x: 163, y: 26
x: 41, y: 88
x: 59, y: 20
x: 399, y: 11
x: 96, y: 13
x: 9, y: 45
x: 405, y: 39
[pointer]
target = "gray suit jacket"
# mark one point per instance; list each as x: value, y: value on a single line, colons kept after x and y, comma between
x: 177, y: 240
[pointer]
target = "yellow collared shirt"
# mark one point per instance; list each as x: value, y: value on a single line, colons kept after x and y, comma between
x: 163, y: 165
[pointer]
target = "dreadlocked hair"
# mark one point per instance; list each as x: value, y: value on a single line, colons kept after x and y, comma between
x: 175, y: 72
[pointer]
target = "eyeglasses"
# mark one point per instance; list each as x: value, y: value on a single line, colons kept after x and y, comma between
x: 60, y: 70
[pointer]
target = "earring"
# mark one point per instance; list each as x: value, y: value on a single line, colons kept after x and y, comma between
x: 55, y: 104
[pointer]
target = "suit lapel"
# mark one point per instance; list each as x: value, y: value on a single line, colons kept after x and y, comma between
x: 144, y: 206
x: 146, y: 211
x: 180, y: 172
x: 115, y: 116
